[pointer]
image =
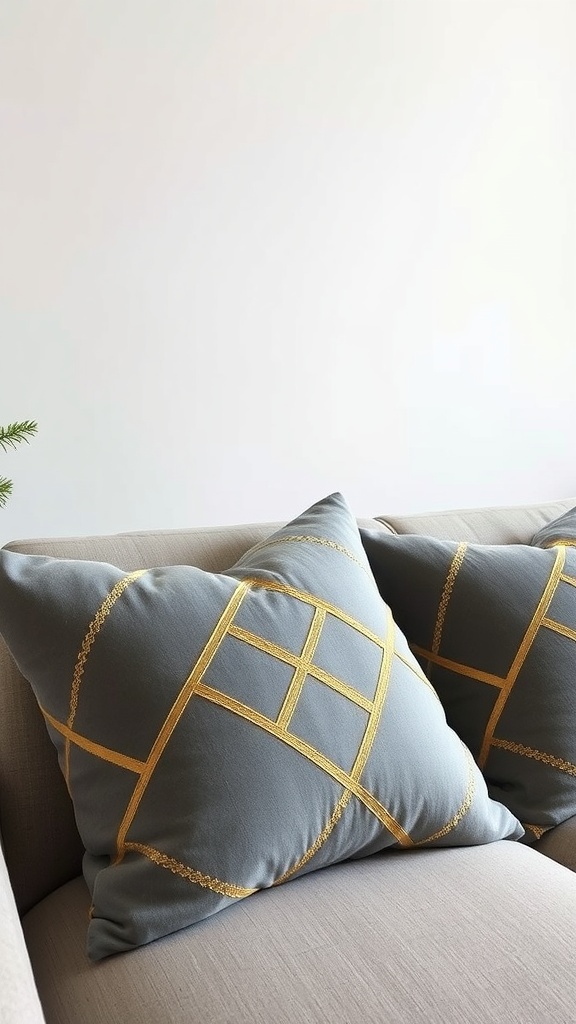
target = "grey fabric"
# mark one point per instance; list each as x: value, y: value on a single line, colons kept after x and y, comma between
x: 560, y: 844
x: 19, y: 1002
x: 478, y: 934
x: 560, y: 531
x: 494, y: 628
x: 514, y: 524
x: 41, y: 841
x: 220, y: 733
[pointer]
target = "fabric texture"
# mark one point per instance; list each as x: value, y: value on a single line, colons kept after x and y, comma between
x: 222, y: 733
x: 560, y: 531
x: 19, y: 1003
x: 478, y: 934
x: 494, y: 627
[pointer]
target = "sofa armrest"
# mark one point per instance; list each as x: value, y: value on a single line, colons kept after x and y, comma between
x: 19, y: 1000
x: 560, y: 843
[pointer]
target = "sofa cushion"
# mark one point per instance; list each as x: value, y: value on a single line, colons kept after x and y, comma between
x: 494, y: 627
x: 221, y: 733
x: 479, y: 934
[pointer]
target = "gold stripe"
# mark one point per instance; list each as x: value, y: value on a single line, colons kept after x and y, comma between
x: 104, y: 753
x: 294, y: 660
x: 187, y: 691
x: 455, y: 666
x: 337, y: 773
x: 521, y: 654
x: 92, y: 632
x: 538, y: 755
x: 363, y: 752
x: 190, y: 874
x: 304, y: 662
x: 303, y: 539
x: 538, y: 830
x: 325, y: 833
x: 565, y: 542
x: 568, y: 579
x: 559, y: 627
x: 316, y: 602
x: 466, y: 804
x: 446, y: 595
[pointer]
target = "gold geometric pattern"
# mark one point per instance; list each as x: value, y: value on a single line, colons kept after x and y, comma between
x: 505, y: 684
x: 195, y: 687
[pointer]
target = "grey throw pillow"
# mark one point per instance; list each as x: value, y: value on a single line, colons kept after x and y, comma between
x: 559, y: 531
x: 494, y: 627
x: 221, y: 733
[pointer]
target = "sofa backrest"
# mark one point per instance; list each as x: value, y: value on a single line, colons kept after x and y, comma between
x: 41, y: 843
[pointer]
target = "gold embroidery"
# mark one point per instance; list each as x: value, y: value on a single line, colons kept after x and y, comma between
x: 304, y: 663
x: 93, y: 630
x: 460, y: 669
x: 321, y: 839
x: 466, y: 804
x: 568, y: 579
x: 538, y: 830
x: 304, y: 539
x: 538, y: 755
x: 564, y: 542
x: 186, y: 693
x: 521, y: 654
x: 104, y: 753
x: 558, y: 627
x: 364, y: 749
x: 294, y: 659
x: 316, y: 602
x: 313, y: 755
x: 446, y: 595
x: 177, y: 868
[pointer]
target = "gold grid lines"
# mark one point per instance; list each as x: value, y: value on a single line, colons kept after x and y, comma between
x: 446, y: 594
x: 187, y: 691
x: 113, y: 756
x: 338, y: 774
x: 302, y: 668
x: 190, y: 874
x: 306, y: 539
x: 559, y: 627
x: 92, y: 632
x: 505, y: 684
x: 458, y: 667
x: 295, y: 659
x: 568, y: 579
x: 527, y: 641
x: 538, y: 755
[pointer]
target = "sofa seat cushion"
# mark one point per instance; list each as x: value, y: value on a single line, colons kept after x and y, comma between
x: 434, y: 937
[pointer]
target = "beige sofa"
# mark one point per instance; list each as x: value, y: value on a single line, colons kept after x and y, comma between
x: 482, y: 933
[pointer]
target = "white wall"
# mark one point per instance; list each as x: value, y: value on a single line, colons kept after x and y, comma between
x: 253, y: 251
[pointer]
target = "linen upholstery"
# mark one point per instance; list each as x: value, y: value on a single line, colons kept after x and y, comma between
x: 433, y: 937
x: 514, y: 524
x: 493, y: 626
x: 19, y: 1003
x: 303, y: 734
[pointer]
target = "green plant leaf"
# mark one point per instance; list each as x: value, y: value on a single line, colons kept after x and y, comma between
x: 15, y: 433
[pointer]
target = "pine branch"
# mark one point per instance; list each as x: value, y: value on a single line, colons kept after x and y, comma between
x: 15, y: 433
x: 5, y: 490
